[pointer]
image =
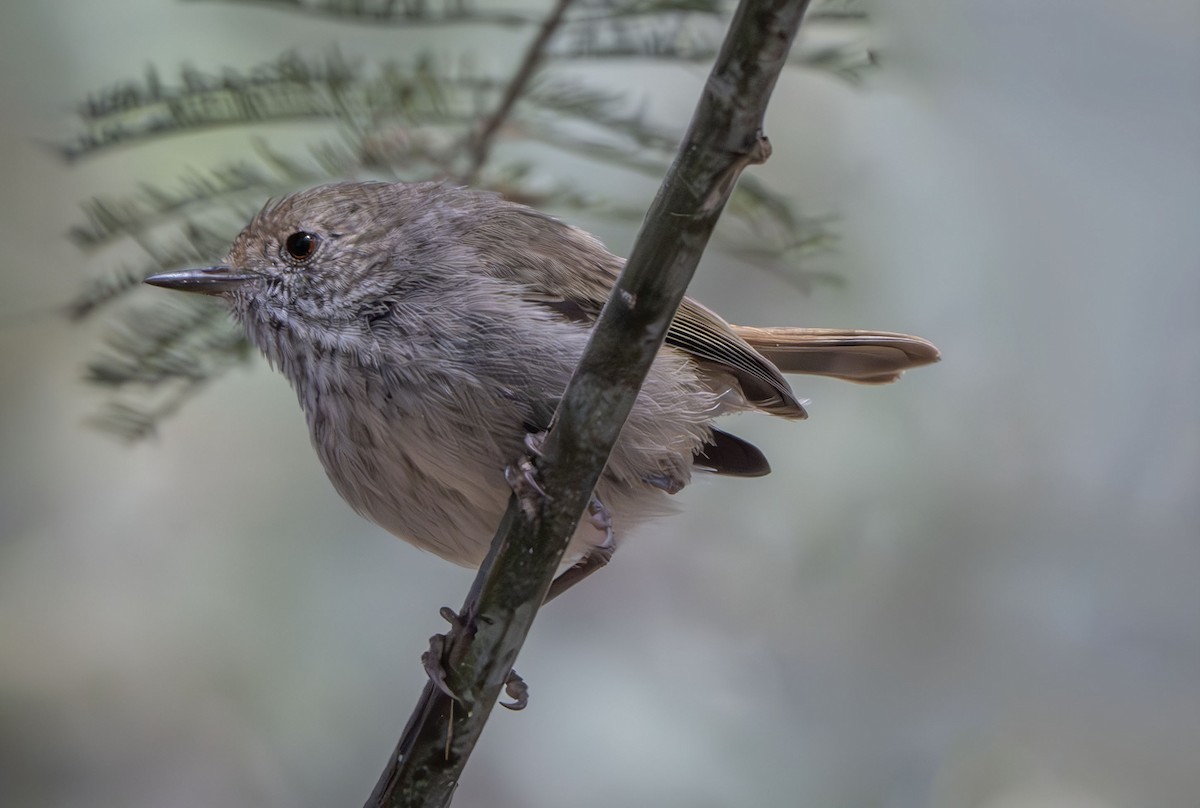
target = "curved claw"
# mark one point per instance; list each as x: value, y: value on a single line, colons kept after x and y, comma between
x: 601, y: 519
x: 533, y: 443
x: 522, y: 478
x: 517, y: 690
x: 431, y: 661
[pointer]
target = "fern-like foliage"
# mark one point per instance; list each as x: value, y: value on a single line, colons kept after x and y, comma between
x: 407, y: 119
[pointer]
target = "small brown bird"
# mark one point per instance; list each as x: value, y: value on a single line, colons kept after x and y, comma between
x: 430, y: 330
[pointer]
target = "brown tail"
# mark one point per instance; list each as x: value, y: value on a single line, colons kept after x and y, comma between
x: 868, y: 357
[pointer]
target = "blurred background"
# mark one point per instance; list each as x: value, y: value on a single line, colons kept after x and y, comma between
x: 976, y: 587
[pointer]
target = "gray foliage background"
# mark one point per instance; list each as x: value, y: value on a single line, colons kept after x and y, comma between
x: 977, y: 587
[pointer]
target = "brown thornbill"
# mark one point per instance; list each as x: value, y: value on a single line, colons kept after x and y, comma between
x: 429, y: 331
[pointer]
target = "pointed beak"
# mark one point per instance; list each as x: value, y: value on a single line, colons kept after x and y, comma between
x: 205, y: 280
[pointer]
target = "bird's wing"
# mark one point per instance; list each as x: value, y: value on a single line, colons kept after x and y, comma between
x: 569, y: 272
x: 698, y: 332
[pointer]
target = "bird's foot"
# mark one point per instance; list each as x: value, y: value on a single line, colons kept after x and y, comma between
x: 434, y: 660
x: 435, y: 663
x: 517, y: 690
x: 522, y: 476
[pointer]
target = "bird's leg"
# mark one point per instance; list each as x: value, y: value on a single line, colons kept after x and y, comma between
x: 522, y: 477
x: 595, y: 558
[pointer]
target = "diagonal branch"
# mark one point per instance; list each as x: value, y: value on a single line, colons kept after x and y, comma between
x: 724, y: 137
x: 481, y: 142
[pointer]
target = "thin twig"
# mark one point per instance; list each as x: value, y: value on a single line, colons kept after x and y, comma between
x: 724, y: 137
x: 481, y: 142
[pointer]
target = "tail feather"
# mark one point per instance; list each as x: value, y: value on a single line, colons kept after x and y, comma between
x: 867, y: 357
x: 732, y: 456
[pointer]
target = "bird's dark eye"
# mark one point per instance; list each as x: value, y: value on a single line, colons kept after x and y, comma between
x: 301, y: 246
